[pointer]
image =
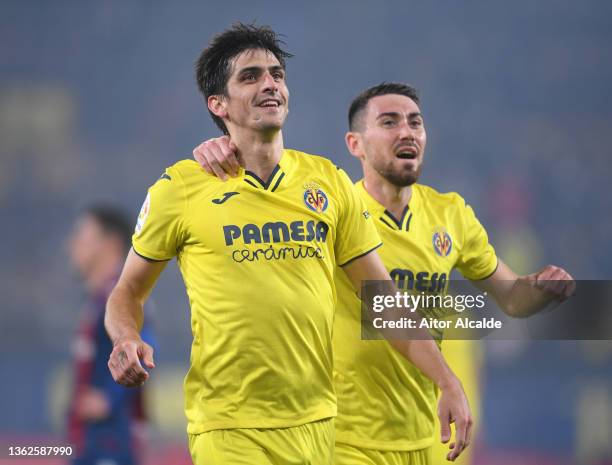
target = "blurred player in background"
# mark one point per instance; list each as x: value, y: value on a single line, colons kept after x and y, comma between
x: 258, y: 256
x: 105, y: 419
x: 386, y: 407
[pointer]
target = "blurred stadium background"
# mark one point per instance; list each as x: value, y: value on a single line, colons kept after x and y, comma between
x: 96, y: 98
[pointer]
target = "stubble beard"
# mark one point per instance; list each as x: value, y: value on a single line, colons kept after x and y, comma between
x: 400, y: 178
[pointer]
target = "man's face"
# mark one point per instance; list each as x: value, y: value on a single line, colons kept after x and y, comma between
x: 85, y: 244
x: 257, y: 93
x: 393, y: 138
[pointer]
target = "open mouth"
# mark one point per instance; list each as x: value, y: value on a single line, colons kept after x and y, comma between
x: 407, y: 154
x: 269, y: 103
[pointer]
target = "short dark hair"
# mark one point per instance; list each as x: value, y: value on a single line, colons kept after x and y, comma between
x: 213, y: 65
x: 113, y: 221
x: 384, y: 88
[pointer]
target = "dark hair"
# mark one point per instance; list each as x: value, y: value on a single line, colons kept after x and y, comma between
x: 384, y: 88
x: 112, y: 220
x: 213, y: 65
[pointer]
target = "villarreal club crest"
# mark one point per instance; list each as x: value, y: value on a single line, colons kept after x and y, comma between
x: 442, y: 242
x: 315, y: 198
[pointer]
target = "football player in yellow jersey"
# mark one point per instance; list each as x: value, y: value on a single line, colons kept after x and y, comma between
x: 258, y: 256
x: 386, y: 407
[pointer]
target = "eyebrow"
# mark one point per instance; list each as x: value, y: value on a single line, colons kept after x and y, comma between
x: 394, y: 114
x: 258, y: 69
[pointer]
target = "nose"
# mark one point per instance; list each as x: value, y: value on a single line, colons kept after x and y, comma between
x: 405, y: 131
x: 270, y: 85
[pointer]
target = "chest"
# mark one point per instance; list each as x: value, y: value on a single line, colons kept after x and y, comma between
x: 239, y: 216
x: 423, y: 257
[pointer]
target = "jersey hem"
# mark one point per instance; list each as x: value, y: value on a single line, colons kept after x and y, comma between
x: 148, y: 255
x: 359, y: 255
x: 198, y: 428
x: 364, y: 443
x: 487, y: 275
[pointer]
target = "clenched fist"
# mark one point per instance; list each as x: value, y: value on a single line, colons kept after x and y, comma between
x: 554, y: 281
x: 124, y: 362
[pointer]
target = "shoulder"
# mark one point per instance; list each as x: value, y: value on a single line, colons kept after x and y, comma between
x: 322, y: 171
x: 187, y: 170
x: 440, y: 200
x: 182, y: 178
x: 307, y: 161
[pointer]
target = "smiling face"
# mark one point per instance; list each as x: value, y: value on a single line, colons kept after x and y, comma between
x: 257, y: 95
x: 391, y: 138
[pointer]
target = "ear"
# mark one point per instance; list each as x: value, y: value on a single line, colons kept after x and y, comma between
x: 216, y: 104
x: 353, y: 144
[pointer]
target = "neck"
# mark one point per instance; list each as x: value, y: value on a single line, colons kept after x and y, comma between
x: 99, y: 277
x: 393, y: 198
x: 259, y: 151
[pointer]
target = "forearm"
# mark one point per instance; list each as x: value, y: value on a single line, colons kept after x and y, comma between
x: 426, y: 356
x: 523, y: 299
x: 523, y: 296
x: 124, y: 314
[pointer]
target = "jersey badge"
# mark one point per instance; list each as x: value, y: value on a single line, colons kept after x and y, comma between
x: 442, y: 242
x: 315, y: 198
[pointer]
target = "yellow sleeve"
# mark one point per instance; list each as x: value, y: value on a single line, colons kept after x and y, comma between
x: 356, y: 233
x: 477, y: 259
x: 159, y: 231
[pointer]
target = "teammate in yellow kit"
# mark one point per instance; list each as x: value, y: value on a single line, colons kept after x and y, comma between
x: 425, y: 235
x: 258, y: 257
x: 386, y: 407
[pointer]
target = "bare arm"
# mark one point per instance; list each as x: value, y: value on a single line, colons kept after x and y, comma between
x: 523, y: 296
x: 124, y: 318
x: 425, y: 355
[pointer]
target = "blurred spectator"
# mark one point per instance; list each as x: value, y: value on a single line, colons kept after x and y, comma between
x: 105, y: 419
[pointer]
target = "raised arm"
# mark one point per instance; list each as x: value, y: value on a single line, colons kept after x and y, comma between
x: 124, y: 318
x: 425, y: 355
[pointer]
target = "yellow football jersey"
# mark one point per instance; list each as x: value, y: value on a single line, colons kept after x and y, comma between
x: 385, y: 402
x: 257, y: 258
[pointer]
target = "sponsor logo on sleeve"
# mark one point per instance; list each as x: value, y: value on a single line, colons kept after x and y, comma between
x: 142, y: 216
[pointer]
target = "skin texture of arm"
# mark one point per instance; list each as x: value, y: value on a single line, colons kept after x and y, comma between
x: 425, y: 355
x: 124, y: 317
x: 523, y: 296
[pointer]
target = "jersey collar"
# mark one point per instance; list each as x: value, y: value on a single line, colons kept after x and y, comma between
x: 274, y: 180
x: 385, y: 216
x: 400, y: 224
